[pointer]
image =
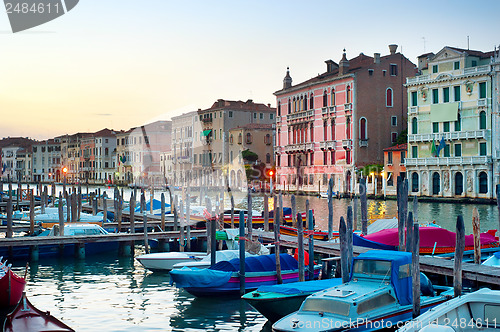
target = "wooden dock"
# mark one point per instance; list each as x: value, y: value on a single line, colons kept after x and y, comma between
x: 432, y: 265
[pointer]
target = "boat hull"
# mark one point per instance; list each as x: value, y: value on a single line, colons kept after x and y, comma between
x: 277, y: 306
x: 166, y: 261
x: 11, y: 289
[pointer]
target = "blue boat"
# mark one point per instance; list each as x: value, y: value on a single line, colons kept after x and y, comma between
x: 377, y: 296
x: 222, y: 279
x: 276, y: 301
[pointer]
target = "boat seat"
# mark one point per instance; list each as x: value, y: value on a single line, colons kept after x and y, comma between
x: 426, y: 287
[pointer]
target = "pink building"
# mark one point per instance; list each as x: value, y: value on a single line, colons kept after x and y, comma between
x: 339, y: 121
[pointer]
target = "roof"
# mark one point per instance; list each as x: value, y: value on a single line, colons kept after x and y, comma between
x: 22, y: 142
x: 105, y: 133
x: 480, y: 54
x: 248, y: 105
x: 399, y: 147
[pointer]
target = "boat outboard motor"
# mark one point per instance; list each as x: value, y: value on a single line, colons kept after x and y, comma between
x: 426, y: 287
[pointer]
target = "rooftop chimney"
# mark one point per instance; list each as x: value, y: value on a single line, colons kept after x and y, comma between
x: 331, y: 66
x: 393, y: 48
x: 376, y: 57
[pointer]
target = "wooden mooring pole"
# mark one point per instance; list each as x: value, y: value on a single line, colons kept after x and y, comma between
x: 330, y: 209
x: 311, y: 243
x: 459, y: 255
x: 415, y: 271
x: 294, y: 211
x: 343, y: 251
x: 349, y: 238
x: 266, y: 213
x: 145, y: 224
x: 277, y: 250
x: 300, y: 249
x: 364, y: 206
x: 476, y: 230
x: 242, y: 252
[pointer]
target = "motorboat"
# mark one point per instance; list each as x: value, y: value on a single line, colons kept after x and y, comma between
x: 165, y: 261
x: 11, y: 286
x: 477, y: 311
x: 276, y: 301
x: 378, y: 295
x: 205, y: 262
x: 493, y: 260
x: 223, y: 278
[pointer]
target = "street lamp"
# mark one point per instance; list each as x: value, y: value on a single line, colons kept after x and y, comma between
x: 271, y: 174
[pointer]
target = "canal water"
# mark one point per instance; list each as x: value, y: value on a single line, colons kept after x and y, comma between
x: 108, y: 293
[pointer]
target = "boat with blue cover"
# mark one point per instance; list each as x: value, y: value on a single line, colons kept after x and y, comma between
x: 493, y: 260
x: 378, y: 295
x: 222, y: 279
x: 276, y: 301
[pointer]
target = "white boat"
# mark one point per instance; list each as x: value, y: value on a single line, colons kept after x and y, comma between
x: 165, y: 261
x: 493, y: 260
x: 477, y: 311
x: 205, y: 262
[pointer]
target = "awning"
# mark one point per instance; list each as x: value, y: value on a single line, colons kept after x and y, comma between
x: 206, y: 132
x: 444, y: 112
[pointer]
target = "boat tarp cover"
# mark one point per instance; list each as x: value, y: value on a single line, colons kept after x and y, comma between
x: 402, y: 286
x: 363, y: 242
x: 193, y: 277
x: 263, y: 263
x: 428, y: 237
x: 301, y: 287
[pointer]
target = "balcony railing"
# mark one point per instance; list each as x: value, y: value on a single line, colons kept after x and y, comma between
x: 328, y: 145
x: 455, y: 135
x: 476, y: 70
x: 413, y: 109
x: 363, y: 143
x: 448, y: 161
x: 347, y: 144
x: 482, y: 102
x: 299, y: 147
x: 300, y: 115
x: 348, y: 107
x: 417, y: 79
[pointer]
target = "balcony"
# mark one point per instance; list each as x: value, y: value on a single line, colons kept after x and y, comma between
x: 413, y: 110
x: 450, y: 136
x: 417, y: 79
x: 300, y: 147
x: 328, y: 145
x: 278, y: 149
x: 278, y: 119
x: 348, y: 108
x: 482, y: 102
x: 300, y: 116
x: 477, y: 70
x: 448, y: 161
x: 206, y: 120
x: 347, y: 144
x: 363, y: 143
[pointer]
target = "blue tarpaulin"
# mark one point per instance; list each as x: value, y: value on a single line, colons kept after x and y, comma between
x: 258, y: 264
x: 301, y: 286
x: 400, y: 261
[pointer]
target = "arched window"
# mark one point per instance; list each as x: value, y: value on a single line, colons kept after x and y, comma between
x: 482, y: 120
x: 436, y: 183
x: 348, y: 128
x: 414, y: 126
x: 289, y: 106
x: 311, y: 101
x: 301, y: 103
x: 268, y: 158
x: 332, y: 128
x: 294, y: 105
x: 249, y: 138
x: 388, y: 97
x: 363, y: 134
x: 458, y: 123
x: 305, y: 103
x: 231, y: 139
x: 348, y: 94
x: 240, y: 138
x: 325, y: 99
x: 312, y: 132
x: 267, y: 139
x: 483, y: 183
x: 414, y: 182
x: 325, y: 133
x: 459, y: 183
x: 332, y: 98
x: 279, y: 108
x: 106, y: 151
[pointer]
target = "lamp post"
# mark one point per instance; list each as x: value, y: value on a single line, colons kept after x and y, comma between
x: 384, y: 183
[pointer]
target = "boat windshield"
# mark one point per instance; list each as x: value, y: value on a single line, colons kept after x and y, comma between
x: 372, y: 267
x: 375, y: 302
x: 326, y: 305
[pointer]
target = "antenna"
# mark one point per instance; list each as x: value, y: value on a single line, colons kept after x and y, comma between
x: 467, y: 42
x: 423, y: 38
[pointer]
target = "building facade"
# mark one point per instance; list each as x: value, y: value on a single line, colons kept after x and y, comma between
x: 47, y: 161
x: 450, y: 125
x: 339, y: 121
x: 394, y: 166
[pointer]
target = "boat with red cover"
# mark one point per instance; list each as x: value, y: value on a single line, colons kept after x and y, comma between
x: 11, y: 287
x: 434, y: 240
x: 27, y: 318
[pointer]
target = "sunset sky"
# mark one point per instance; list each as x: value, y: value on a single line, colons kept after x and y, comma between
x: 124, y: 63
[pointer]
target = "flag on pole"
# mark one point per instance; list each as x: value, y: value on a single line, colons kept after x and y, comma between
x: 441, y: 146
x: 433, y: 149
